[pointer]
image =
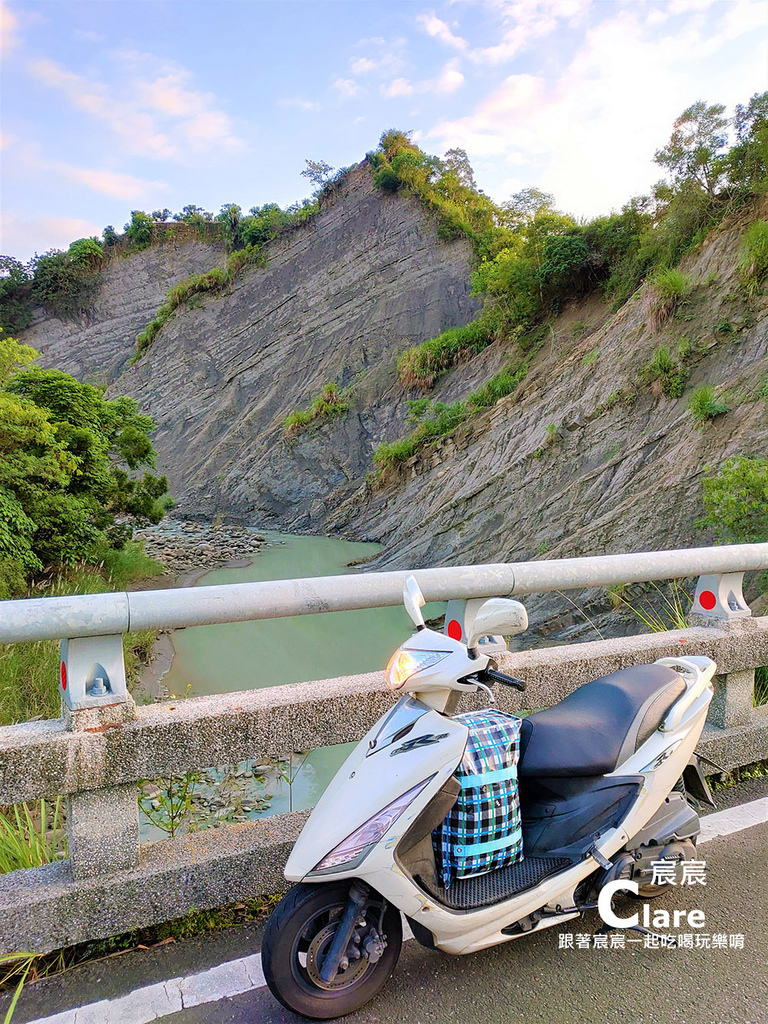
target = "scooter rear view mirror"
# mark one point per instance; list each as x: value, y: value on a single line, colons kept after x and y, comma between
x: 413, y: 599
x: 498, y: 615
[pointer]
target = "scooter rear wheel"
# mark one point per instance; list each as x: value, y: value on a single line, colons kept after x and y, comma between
x: 298, y: 935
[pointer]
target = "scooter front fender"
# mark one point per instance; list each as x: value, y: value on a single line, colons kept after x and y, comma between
x: 409, y: 744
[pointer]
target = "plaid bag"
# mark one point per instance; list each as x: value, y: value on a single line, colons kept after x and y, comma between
x: 482, y: 831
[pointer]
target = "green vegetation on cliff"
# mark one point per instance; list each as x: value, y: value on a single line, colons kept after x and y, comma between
x: 532, y: 258
x: 329, y: 404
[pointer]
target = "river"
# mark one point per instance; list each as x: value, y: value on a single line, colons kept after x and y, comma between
x: 273, y: 652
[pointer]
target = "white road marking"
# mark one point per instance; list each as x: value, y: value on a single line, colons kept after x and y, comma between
x: 733, y: 819
x: 235, y: 977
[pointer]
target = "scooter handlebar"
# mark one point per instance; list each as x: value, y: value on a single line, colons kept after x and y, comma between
x: 498, y: 677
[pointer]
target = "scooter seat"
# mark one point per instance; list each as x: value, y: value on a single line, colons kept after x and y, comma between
x: 597, y: 727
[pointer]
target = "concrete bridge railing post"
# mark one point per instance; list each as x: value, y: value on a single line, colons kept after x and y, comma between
x: 102, y: 824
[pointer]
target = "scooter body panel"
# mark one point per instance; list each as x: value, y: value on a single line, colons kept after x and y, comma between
x: 412, y: 743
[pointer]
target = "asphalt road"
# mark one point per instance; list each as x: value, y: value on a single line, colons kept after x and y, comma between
x: 530, y: 980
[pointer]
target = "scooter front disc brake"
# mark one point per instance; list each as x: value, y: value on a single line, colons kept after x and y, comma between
x: 316, y: 954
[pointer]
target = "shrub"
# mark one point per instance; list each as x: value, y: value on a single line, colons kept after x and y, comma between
x: 704, y: 406
x: 753, y: 264
x: 64, y: 282
x: 668, y: 288
x: 590, y: 357
x: 421, y: 366
x: 435, y: 420
x: 140, y: 229
x: 442, y: 420
x: 329, y: 404
x: 386, y: 179
x: 664, y: 374
x: 66, y: 453
x: 736, y: 501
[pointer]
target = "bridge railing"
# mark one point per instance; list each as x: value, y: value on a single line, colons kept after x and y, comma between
x: 99, y: 749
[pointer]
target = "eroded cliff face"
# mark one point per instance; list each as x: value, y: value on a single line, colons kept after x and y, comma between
x: 98, y: 345
x: 619, y: 469
x: 338, y: 298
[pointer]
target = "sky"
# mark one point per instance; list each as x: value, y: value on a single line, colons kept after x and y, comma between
x: 114, y: 105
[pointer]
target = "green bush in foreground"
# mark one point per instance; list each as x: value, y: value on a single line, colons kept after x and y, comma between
x: 753, y: 264
x: 329, y: 404
x: 736, y: 501
x: 704, y: 406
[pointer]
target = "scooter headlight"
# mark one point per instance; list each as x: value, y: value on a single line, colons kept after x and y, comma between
x: 403, y: 664
x: 356, y: 846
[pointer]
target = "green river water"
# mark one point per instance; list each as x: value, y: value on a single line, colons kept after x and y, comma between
x: 272, y: 652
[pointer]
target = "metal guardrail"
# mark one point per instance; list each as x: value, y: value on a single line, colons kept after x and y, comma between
x: 52, y: 618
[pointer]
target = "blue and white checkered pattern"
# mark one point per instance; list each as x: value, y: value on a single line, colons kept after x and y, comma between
x: 483, y: 831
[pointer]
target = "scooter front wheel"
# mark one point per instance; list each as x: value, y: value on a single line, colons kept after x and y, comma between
x: 298, y: 936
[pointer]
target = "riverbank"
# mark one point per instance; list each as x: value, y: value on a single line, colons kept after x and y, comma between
x: 185, y: 546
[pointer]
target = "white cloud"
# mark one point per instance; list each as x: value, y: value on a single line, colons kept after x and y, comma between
x: 347, y: 87
x: 9, y: 26
x: 156, y: 116
x: 87, y: 35
x: 110, y: 183
x: 397, y: 87
x: 439, y: 29
x: 526, y: 22
x: 449, y: 80
x: 26, y: 160
x: 299, y: 103
x: 359, y: 65
x: 27, y: 235
x: 588, y: 134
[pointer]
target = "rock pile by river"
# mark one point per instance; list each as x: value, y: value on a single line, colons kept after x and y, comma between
x: 184, y: 546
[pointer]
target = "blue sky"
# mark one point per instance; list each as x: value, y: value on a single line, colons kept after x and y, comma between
x: 109, y: 105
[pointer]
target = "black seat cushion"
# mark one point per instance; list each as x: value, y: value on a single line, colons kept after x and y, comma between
x: 597, y: 727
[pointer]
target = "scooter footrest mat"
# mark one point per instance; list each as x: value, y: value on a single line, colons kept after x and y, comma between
x: 495, y: 886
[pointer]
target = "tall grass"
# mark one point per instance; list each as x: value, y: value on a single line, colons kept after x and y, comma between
x: 329, y: 404
x: 668, y: 288
x: 664, y: 373
x: 420, y: 366
x: 760, y: 698
x: 29, y: 839
x: 668, y: 610
x: 753, y: 264
x: 19, y: 966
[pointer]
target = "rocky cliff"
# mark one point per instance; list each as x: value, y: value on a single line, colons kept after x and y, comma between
x: 585, y: 458
x: 97, y: 346
x: 582, y: 458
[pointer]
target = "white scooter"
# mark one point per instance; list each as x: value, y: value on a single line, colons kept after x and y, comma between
x: 603, y: 780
